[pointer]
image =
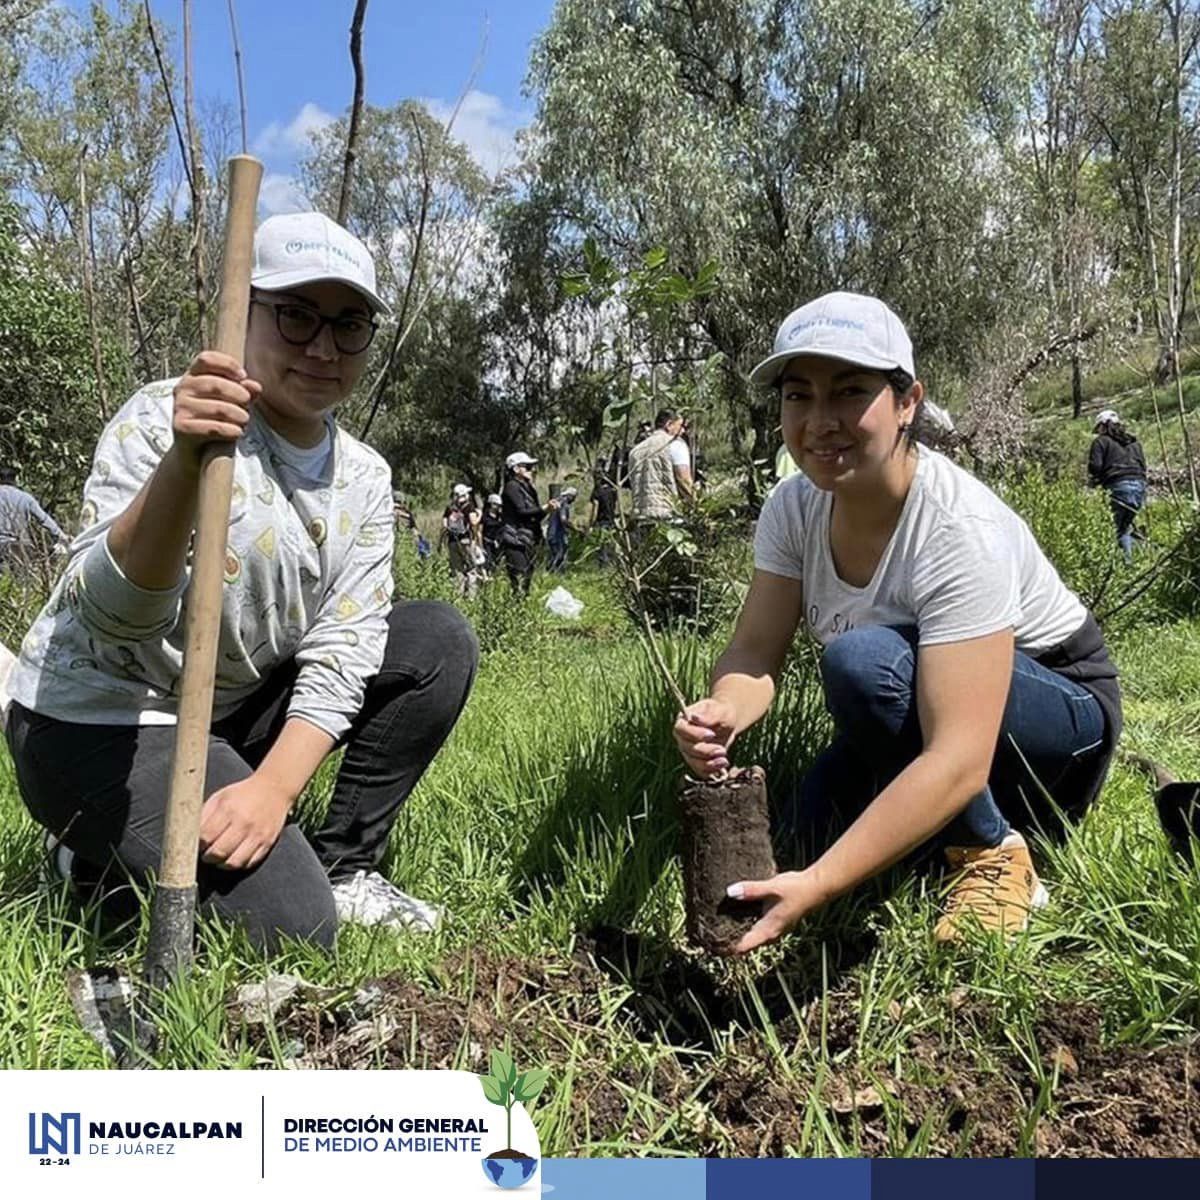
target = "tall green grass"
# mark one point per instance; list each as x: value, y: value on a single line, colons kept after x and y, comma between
x: 547, y: 826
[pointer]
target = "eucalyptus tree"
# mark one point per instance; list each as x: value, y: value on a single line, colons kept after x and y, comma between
x: 1146, y: 105
x: 805, y: 145
x: 1071, y: 211
x: 86, y: 149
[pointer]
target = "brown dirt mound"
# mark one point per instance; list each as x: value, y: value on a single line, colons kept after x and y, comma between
x: 1100, y: 1101
x: 1120, y: 1101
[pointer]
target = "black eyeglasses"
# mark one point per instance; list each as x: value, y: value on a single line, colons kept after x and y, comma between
x: 299, y: 325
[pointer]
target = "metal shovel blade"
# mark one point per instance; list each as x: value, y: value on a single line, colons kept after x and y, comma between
x: 105, y: 1002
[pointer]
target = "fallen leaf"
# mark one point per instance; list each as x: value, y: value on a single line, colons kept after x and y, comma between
x: 1064, y: 1061
x: 867, y: 1097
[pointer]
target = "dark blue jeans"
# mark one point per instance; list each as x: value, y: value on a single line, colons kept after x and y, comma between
x: 1126, y: 498
x: 1050, y: 730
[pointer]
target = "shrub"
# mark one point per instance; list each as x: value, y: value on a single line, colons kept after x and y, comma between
x: 1074, y: 528
x: 694, y: 571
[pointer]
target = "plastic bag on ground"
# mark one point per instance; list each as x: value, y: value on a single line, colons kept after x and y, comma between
x: 562, y: 604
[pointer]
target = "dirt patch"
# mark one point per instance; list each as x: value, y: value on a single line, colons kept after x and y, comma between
x: 1072, y: 1096
x: 1097, y: 1101
x: 395, y: 1022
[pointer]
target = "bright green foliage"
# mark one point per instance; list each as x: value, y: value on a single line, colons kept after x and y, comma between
x: 49, y: 408
x: 802, y: 145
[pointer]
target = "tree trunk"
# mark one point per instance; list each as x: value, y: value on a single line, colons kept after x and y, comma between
x: 356, y: 26
x: 1175, y: 274
x: 89, y: 294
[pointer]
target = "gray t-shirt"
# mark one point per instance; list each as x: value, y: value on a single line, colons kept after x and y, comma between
x: 960, y: 564
x: 19, y: 513
x: 308, y: 577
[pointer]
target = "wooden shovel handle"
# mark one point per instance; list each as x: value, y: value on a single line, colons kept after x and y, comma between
x: 204, y: 595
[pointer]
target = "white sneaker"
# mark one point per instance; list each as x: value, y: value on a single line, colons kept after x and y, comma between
x: 55, y: 868
x: 366, y: 898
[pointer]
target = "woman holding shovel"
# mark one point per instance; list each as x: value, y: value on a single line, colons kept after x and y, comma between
x: 311, y: 653
x: 962, y: 676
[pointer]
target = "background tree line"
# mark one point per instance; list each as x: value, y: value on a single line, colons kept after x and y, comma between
x: 1019, y: 179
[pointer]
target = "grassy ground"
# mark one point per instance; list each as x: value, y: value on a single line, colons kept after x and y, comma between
x: 546, y: 828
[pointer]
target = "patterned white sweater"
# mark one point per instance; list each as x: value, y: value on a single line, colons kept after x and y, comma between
x: 308, y: 576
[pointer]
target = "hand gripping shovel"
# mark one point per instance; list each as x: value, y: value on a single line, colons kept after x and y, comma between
x: 104, y: 1000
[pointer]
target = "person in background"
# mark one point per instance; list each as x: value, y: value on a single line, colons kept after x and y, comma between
x: 966, y: 682
x: 558, y: 529
x: 521, y: 533
x: 1117, y: 464
x: 406, y: 523
x: 27, y: 531
x: 660, y: 470
x: 491, y: 527
x: 313, y: 655
x: 605, y: 504
x: 785, y: 464
x: 464, y: 544
x: 605, y: 499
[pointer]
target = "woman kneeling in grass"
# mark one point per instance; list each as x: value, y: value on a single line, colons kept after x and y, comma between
x: 312, y: 652
x: 964, y: 679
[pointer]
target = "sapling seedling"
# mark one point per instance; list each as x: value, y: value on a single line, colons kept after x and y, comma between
x: 724, y: 822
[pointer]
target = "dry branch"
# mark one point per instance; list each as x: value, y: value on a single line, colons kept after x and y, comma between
x: 356, y: 26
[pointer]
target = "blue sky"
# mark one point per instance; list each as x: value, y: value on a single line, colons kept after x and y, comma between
x: 296, y: 59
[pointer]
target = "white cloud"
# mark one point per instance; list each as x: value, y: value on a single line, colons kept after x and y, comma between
x: 292, y: 139
x: 281, y: 193
x: 485, y: 126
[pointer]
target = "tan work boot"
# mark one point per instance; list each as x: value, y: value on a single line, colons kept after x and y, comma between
x: 995, y: 886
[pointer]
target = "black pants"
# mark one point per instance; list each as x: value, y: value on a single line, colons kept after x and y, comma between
x: 102, y: 788
x: 519, y: 562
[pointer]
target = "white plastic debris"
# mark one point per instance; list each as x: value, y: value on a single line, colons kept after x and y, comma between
x: 562, y: 604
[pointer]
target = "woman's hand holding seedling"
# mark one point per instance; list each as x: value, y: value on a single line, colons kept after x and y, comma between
x: 786, y: 899
x: 704, y: 731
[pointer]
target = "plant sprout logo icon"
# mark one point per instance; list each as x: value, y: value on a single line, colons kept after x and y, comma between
x: 509, y: 1168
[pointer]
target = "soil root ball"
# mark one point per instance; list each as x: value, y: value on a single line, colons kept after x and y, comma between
x: 726, y: 838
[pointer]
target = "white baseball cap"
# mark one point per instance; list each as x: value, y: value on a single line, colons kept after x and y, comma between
x: 494, y: 499
x: 844, y: 325
x: 460, y: 489
x: 1107, y: 417
x: 294, y: 248
x: 519, y: 458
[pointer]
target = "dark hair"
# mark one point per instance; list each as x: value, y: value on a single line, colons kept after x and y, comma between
x: 900, y: 381
x: 664, y: 417
x: 8, y: 474
x: 1118, y: 433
